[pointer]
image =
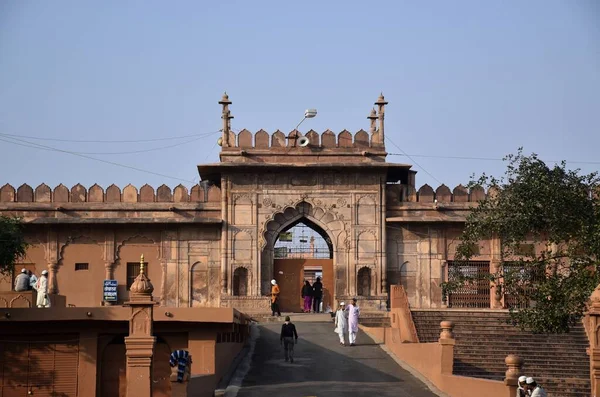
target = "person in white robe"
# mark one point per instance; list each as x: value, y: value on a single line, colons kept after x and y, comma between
x: 43, y: 300
x: 353, y: 314
x: 341, y: 323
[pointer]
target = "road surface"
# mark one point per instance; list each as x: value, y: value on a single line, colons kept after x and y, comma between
x: 323, y: 368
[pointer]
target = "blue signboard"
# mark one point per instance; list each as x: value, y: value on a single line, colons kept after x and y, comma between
x: 110, y: 290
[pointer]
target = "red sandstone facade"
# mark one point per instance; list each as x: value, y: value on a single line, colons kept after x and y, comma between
x: 198, y: 242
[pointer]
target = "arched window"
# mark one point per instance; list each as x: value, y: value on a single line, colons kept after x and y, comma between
x: 363, y: 282
x: 240, y: 281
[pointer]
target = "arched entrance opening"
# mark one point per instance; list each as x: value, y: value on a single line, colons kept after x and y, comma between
x: 298, y: 247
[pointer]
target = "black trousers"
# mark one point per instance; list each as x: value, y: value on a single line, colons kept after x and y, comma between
x: 316, y: 303
x: 275, y: 308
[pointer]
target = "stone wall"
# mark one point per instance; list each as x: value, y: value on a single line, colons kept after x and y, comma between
x: 113, y: 194
x: 397, y: 193
x: 182, y: 261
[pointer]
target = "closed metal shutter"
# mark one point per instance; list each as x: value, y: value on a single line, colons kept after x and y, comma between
x: 45, y: 369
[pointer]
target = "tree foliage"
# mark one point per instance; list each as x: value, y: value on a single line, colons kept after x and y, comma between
x: 547, y: 220
x: 12, y: 242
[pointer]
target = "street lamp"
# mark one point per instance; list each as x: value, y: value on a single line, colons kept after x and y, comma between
x: 308, y: 114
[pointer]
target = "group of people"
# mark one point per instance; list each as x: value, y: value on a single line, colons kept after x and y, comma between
x: 312, y: 295
x: 346, y: 320
x: 528, y: 387
x: 27, y: 281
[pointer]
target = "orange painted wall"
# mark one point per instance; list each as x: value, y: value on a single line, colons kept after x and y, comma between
x: 82, y: 288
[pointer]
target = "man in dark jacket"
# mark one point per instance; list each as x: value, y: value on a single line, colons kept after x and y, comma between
x: 317, y: 294
x: 288, y: 338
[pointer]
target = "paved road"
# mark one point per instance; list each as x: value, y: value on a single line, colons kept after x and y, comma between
x: 323, y: 368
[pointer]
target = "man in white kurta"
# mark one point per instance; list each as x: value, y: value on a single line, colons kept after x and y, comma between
x: 353, y: 314
x: 43, y: 300
x: 341, y: 323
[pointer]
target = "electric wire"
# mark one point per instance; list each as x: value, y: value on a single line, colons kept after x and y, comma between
x: 414, y: 161
x: 53, y: 149
x: 104, y: 141
x: 483, y: 158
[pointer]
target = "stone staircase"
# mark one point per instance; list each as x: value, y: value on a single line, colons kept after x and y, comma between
x: 483, y: 340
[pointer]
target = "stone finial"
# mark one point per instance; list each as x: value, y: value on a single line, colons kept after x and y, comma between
x: 142, y: 284
x: 446, y: 327
x: 514, y: 364
x: 225, y: 99
x: 595, y: 297
x: 381, y: 100
x: 226, y: 117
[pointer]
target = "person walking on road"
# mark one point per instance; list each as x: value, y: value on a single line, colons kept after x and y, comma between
x: 307, y: 292
x: 288, y: 338
x: 353, y: 314
x: 275, y: 298
x: 317, y: 295
x: 341, y: 323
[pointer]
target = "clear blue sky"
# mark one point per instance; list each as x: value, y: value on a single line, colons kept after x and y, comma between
x: 463, y: 78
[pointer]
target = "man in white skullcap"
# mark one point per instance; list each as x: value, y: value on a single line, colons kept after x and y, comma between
x: 521, y: 392
x: 275, y: 298
x: 534, y: 389
x: 22, y: 281
x: 341, y: 323
x: 43, y: 300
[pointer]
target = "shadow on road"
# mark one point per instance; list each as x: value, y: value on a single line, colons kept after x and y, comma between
x: 324, y: 368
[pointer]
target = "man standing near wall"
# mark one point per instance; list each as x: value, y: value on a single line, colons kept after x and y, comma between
x: 317, y: 294
x: 43, y: 300
x: 275, y: 298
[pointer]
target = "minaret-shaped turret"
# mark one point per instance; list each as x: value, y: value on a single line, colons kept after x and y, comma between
x: 373, y: 128
x: 226, y: 117
x: 381, y: 102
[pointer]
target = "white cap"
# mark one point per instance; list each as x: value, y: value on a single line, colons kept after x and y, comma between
x: 45, y: 272
x: 23, y: 270
x: 273, y: 282
x: 522, y: 379
x: 342, y: 304
x: 529, y: 380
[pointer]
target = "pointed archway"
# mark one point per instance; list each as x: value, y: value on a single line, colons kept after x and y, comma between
x: 325, y: 224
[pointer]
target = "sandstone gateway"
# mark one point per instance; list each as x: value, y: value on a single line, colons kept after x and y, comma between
x: 213, y: 246
x: 189, y: 266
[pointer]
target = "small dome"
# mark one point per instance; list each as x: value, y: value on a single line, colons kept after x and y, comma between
x: 142, y: 284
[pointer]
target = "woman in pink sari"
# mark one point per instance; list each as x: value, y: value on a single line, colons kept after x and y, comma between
x: 307, y: 292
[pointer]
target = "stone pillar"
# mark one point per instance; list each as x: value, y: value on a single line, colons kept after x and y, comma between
x: 140, y: 342
x: 593, y: 330
x: 52, y: 279
x: 447, y: 342
x: 511, y: 378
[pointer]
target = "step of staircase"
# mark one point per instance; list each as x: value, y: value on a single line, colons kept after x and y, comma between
x: 485, y: 338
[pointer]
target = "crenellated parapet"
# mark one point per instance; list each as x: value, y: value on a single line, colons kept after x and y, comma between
x: 396, y: 194
x: 312, y: 147
x: 113, y: 194
x: 325, y: 140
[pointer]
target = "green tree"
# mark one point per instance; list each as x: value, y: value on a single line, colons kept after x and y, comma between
x: 548, y: 222
x: 12, y: 242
